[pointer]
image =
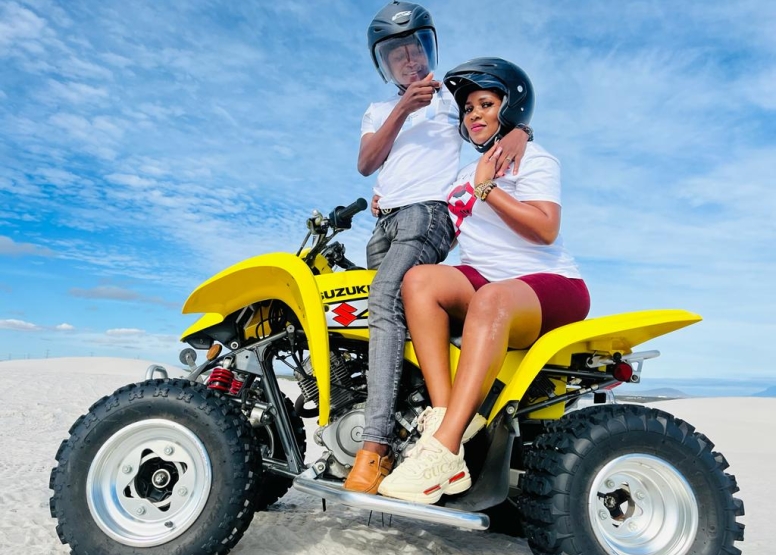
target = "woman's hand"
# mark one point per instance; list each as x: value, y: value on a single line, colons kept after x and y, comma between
x: 486, y: 167
x: 512, y: 150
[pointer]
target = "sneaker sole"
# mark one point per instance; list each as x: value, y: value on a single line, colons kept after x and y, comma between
x: 434, y: 493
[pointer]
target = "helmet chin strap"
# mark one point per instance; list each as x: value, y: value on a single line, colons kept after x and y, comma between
x: 486, y: 146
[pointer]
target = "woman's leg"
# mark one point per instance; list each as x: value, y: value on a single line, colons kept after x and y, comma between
x: 498, y: 314
x: 431, y: 294
x: 501, y: 314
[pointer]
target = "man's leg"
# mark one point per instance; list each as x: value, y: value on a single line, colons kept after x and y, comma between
x: 418, y: 234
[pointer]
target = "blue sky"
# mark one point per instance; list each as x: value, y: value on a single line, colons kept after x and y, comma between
x: 144, y: 146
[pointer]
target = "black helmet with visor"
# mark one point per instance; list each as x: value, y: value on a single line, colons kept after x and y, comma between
x: 495, y: 74
x: 403, y: 44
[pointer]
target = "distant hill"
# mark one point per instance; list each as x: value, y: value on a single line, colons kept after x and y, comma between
x: 770, y: 392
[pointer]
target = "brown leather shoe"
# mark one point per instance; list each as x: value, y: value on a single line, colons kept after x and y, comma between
x: 368, y: 471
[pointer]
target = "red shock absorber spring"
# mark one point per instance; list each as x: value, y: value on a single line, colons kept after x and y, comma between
x: 237, y: 384
x: 220, y: 379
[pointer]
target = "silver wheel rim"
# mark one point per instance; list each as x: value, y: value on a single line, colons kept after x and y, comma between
x: 148, y: 483
x: 641, y: 505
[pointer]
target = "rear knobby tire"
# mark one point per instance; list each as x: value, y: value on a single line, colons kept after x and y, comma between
x: 622, y: 479
x: 160, y: 467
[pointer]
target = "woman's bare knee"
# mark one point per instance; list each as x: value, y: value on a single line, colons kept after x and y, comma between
x: 416, y: 281
x: 505, y: 304
x: 488, y: 301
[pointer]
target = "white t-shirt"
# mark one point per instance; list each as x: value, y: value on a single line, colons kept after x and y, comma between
x: 424, y: 159
x: 487, y: 243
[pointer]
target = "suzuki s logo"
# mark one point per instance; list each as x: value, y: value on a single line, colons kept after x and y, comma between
x: 351, y: 314
x: 402, y: 17
x: 344, y: 314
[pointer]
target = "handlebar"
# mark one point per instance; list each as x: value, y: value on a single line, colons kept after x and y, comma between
x: 319, y: 227
x: 340, y: 217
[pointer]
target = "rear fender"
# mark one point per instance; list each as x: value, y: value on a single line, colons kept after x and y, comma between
x: 607, y: 334
x: 281, y: 276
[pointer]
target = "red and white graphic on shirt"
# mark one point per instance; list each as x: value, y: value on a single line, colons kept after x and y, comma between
x: 460, y: 202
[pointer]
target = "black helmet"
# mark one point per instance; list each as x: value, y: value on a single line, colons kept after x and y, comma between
x: 402, y: 24
x: 493, y: 74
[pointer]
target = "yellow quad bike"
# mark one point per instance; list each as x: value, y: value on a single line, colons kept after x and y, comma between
x: 182, y: 465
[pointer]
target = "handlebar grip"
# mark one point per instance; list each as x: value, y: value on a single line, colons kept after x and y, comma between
x: 352, y: 210
x: 346, y: 264
x: 340, y: 216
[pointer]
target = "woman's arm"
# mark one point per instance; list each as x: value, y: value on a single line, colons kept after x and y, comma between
x: 537, y: 221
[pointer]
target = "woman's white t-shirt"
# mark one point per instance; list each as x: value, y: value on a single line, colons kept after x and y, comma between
x: 487, y: 243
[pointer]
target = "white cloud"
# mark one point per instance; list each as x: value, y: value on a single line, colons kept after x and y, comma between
x: 10, y: 247
x: 18, y: 24
x: 109, y: 292
x: 58, y: 176
x: 18, y: 325
x: 124, y: 332
x: 98, y: 136
x: 64, y: 327
x: 133, y: 181
x: 77, y: 68
x: 741, y: 184
x: 116, y: 59
x: 160, y: 112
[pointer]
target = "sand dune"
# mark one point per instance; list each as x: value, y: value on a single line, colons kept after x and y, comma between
x: 40, y: 399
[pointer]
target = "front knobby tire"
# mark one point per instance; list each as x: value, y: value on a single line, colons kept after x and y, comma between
x: 159, y: 467
x: 624, y: 479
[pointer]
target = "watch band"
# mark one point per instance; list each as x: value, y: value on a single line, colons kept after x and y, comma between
x: 527, y: 129
x: 482, y: 190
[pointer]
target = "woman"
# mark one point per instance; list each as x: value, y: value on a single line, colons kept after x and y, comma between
x: 515, y: 283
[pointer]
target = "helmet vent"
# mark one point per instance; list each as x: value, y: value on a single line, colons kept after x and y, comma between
x: 402, y: 17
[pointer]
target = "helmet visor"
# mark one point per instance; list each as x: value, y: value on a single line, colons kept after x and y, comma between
x: 407, y: 59
x: 463, y: 85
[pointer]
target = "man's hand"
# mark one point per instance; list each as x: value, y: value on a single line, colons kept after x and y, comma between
x: 375, y: 205
x: 418, y: 94
x: 375, y: 147
x: 512, y: 150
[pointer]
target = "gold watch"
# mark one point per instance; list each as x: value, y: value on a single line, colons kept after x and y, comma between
x: 482, y: 190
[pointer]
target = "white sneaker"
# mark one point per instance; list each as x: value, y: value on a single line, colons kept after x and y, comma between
x: 431, y: 418
x: 431, y: 471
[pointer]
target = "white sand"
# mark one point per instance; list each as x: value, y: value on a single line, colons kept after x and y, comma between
x: 40, y: 399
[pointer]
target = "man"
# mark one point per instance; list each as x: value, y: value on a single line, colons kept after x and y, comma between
x: 413, y: 139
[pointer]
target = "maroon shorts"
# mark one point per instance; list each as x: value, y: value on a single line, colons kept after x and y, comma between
x: 563, y: 300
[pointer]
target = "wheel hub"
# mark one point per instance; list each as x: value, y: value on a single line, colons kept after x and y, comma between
x: 640, y: 504
x: 148, y: 483
x: 161, y: 478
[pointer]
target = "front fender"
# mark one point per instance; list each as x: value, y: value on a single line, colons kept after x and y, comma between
x: 616, y: 333
x: 281, y: 276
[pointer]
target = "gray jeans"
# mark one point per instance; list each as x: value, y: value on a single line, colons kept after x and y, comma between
x: 417, y: 234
